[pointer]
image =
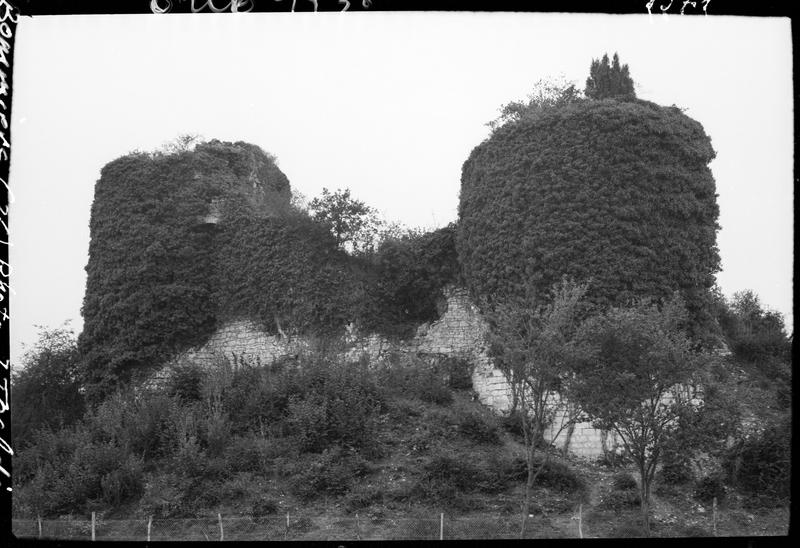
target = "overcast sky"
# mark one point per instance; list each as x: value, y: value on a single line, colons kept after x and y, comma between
x: 388, y: 105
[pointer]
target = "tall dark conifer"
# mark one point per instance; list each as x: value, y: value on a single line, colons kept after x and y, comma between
x: 609, y: 80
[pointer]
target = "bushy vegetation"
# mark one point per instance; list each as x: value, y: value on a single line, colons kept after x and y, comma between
x: 45, y: 391
x: 553, y: 474
x: 761, y: 465
x: 416, y: 378
x: 412, y: 271
x: 616, y: 193
x: 624, y: 493
x: 759, y: 341
x: 316, y: 424
x: 709, y: 488
x: 623, y: 481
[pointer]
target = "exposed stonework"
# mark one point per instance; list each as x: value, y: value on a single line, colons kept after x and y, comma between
x: 459, y: 332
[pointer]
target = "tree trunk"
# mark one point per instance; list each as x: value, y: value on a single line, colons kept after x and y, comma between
x: 645, y: 502
x: 526, y: 507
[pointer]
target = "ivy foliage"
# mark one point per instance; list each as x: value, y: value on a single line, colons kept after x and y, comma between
x: 185, y: 239
x: 288, y: 273
x: 149, y: 292
x: 412, y: 271
x: 615, y: 193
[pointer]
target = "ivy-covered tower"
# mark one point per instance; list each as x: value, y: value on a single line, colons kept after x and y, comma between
x: 150, y: 285
x: 614, y: 192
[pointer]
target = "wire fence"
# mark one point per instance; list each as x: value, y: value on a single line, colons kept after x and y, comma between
x: 287, y: 527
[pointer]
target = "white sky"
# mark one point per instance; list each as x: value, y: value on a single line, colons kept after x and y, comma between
x: 388, y: 105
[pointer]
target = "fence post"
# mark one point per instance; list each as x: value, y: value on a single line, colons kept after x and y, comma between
x: 358, y: 528
x: 441, y: 526
x: 39, y: 519
x: 286, y: 534
x: 580, y: 520
x: 221, y: 532
x: 93, y: 520
x: 714, y: 507
x: 149, y: 525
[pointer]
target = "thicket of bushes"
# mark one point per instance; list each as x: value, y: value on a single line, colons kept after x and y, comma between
x: 761, y: 466
x: 316, y: 421
x: 411, y: 273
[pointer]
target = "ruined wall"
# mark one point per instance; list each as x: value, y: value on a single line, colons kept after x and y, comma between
x: 459, y: 332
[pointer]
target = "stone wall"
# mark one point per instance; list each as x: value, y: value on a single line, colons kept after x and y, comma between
x: 459, y: 332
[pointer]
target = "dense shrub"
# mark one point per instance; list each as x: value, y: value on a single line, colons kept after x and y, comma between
x: 256, y: 398
x: 185, y: 381
x: 64, y: 470
x: 412, y: 271
x: 246, y: 454
x: 447, y: 474
x: 623, y: 481
x: 141, y: 423
x: 458, y: 372
x: 123, y: 483
x: 560, y: 477
x: 761, y: 466
x: 624, y: 493
x: 363, y: 497
x: 477, y: 426
x: 265, y: 507
x: 708, y: 488
x: 338, y: 404
x: 215, y: 430
x: 330, y: 473
x: 512, y: 423
x: 412, y: 377
x: 164, y: 496
x: 46, y: 392
x: 753, y: 332
x: 552, y: 474
x: 675, y: 471
x: 621, y: 500
x: 618, y: 193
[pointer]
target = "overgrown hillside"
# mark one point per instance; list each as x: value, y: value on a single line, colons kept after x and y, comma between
x: 333, y: 439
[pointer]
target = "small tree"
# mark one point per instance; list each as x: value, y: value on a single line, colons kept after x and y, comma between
x: 45, y: 391
x: 633, y: 371
x: 182, y: 143
x: 609, y: 80
x: 547, y: 93
x: 530, y: 339
x: 754, y: 332
x: 354, y: 224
